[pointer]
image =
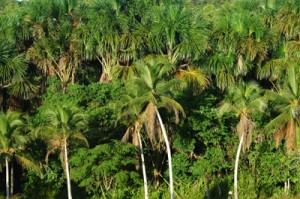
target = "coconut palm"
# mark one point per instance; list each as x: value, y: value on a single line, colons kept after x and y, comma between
x: 12, y: 144
x: 153, y: 89
x: 136, y: 121
x: 286, y: 100
x: 244, y: 100
x: 63, y: 123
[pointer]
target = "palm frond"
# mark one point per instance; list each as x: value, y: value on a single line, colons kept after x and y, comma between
x: 195, y: 78
x: 171, y: 105
x: 80, y: 136
x: 28, y: 164
x: 24, y: 89
x: 278, y: 121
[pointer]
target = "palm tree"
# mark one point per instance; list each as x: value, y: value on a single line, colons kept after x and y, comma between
x: 12, y: 70
x: 133, y: 131
x: 244, y: 100
x: 13, y: 65
x: 286, y: 99
x: 286, y: 22
x: 152, y: 89
x: 63, y: 123
x: 240, y: 40
x: 110, y: 35
x: 177, y: 30
x: 53, y: 32
x: 12, y: 143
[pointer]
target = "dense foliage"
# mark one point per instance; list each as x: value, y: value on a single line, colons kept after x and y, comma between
x: 187, y: 87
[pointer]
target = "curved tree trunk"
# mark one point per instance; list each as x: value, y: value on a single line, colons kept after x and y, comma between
x: 168, y: 152
x: 7, y: 177
x: 143, y: 166
x: 236, y: 167
x: 67, y: 172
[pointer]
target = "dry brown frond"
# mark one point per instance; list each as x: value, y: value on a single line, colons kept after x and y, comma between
x: 150, y: 122
x: 135, y: 138
x: 242, y: 126
x: 126, y: 136
x: 260, y: 137
x: 290, y: 136
x: 176, y: 113
x: 245, y: 127
x: 279, y: 135
x: 55, y: 143
x: 248, y: 141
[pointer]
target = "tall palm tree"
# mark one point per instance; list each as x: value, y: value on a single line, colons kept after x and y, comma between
x: 177, y: 30
x: 13, y: 65
x: 286, y: 100
x: 244, y: 100
x: 136, y: 121
x: 12, y: 70
x: 12, y: 144
x: 153, y: 89
x: 63, y: 123
x: 53, y: 26
x: 241, y: 39
x: 110, y: 35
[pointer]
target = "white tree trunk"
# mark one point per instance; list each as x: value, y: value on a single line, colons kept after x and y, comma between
x: 12, y: 179
x: 143, y: 167
x: 236, y: 167
x: 168, y: 152
x: 68, y: 172
x: 207, y: 190
x: 7, y: 177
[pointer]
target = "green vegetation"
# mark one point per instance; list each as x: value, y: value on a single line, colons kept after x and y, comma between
x: 149, y: 99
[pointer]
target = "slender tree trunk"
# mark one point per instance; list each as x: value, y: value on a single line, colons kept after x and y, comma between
x: 207, y: 190
x: 168, y: 152
x: 236, y: 167
x: 285, y: 187
x: 64, y: 87
x: 12, y: 179
x: 68, y: 172
x: 143, y: 167
x: 7, y: 178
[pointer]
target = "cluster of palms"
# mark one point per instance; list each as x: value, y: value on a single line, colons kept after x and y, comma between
x: 62, y: 123
x: 158, y: 49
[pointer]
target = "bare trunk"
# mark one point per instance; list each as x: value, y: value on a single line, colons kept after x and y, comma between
x: 12, y: 179
x: 67, y: 172
x: 207, y: 190
x: 7, y: 178
x: 73, y: 77
x: 64, y: 87
x: 236, y: 167
x: 143, y: 167
x: 168, y: 153
x: 285, y: 187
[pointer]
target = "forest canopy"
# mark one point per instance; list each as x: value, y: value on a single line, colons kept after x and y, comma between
x: 149, y: 99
